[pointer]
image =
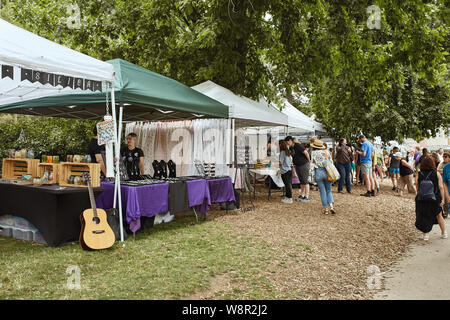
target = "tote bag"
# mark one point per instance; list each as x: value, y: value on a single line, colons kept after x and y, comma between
x: 333, y: 173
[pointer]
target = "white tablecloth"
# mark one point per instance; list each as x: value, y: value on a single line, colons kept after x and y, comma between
x: 273, y: 173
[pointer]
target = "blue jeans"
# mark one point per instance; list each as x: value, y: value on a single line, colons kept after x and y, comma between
x: 324, y: 187
x: 345, y: 170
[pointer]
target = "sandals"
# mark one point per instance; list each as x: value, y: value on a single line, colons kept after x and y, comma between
x: 325, y: 211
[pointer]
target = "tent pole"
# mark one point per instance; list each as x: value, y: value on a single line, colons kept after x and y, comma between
x: 232, y: 140
x: 119, y: 194
x: 117, y: 146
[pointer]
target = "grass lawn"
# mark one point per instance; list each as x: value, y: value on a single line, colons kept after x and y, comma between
x: 169, y: 261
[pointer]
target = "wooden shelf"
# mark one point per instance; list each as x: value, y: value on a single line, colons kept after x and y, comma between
x: 51, y: 167
x: 16, y: 167
x: 68, y: 169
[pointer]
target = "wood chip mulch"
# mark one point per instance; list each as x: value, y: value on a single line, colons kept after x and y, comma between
x: 327, y: 256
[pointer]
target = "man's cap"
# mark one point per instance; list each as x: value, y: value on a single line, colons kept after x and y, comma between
x: 361, y: 136
x: 288, y: 138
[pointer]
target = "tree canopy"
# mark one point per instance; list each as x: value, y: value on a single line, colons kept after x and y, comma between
x: 378, y: 67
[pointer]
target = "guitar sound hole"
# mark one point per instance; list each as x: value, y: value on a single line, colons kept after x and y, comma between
x: 96, y: 220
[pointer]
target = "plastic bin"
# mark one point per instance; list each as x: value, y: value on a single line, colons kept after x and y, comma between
x: 21, y: 223
x: 22, y: 234
x: 37, y: 237
x: 7, y: 220
x: 5, y: 231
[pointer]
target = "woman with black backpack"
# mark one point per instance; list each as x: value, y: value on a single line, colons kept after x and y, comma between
x: 429, y: 200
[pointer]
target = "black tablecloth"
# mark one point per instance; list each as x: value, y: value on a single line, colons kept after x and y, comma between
x: 178, y: 197
x: 55, y: 211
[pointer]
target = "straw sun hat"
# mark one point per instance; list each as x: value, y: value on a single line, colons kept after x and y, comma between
x: 317, y: 144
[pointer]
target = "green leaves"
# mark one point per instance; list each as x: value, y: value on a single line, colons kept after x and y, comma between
x: 391, y: 82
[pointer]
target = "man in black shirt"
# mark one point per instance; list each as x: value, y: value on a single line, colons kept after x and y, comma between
x: 133, y: 157
x: 301, y: 161
x: 95, y: 151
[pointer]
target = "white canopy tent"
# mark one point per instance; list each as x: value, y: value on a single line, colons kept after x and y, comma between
x: 33, y: 67
x: 244, y: 111
x: 298, y: 122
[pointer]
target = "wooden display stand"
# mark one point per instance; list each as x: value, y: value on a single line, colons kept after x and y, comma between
x: 68, y: 169
x: 50, y: 167
x: 16, y: 167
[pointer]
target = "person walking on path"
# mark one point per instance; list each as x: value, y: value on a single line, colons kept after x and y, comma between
x: 286, y: 170
x: 318, y: 156
x: 394, y: 168
x: 366, y: 154
x: 429, y: 199
x: 357, y: 159
x: 374, y: 171
x: 446, y: 180
x: 301, y: 161
x: 441, y: 155
x: 406, y: 175
x: 417, y: 156
x: 344, y: 165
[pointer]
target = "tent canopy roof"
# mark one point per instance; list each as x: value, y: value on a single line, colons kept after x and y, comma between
x: 246, y: 112
x: 146, y: 96
x: 21, y: 48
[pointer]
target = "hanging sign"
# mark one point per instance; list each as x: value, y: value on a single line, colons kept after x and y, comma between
x: 105, y: 132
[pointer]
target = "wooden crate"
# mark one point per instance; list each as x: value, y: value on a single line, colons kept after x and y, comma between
x: 15, y: 168
x: 67, y: 169
x: 51, y: 167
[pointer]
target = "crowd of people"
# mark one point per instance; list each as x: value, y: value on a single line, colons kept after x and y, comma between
x: 425, y: 175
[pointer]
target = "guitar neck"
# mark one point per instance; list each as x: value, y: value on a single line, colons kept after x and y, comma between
x: 92, y: 198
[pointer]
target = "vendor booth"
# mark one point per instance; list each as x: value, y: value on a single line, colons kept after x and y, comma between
x: 35, y: 68
x: 39, y: 77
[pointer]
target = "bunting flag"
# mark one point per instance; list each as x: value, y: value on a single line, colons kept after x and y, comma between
x: 8, y: 71
x: 50, y: 78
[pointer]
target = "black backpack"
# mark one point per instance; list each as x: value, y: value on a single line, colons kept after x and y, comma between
x: 426, y: 189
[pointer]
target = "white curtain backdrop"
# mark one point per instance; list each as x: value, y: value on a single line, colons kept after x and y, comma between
x: 183, y: 142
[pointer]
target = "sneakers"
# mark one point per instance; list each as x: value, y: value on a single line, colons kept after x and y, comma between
x: 299, y: 198
x: 444, y: 235
x: 287, y: 200
x: 367, y: 194
x: 426, y: 237
x: 304, y: 199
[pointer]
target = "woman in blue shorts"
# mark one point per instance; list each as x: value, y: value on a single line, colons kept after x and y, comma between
x: 394, y: 168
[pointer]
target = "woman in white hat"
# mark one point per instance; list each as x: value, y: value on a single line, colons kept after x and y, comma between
x: 318, y: 156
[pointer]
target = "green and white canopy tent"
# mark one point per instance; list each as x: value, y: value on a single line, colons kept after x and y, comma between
x: 40, y: 77
x: 145, y: 94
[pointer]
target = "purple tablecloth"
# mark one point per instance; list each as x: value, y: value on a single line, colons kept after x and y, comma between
x: 198, y: 195
x: 221, y: 190
x: 137, y: 202
x: 147, y: 201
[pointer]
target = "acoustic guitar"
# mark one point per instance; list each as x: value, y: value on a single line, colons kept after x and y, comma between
x: 96, y: 234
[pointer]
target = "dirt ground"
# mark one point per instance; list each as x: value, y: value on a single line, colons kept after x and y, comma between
x: 325, y: 256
